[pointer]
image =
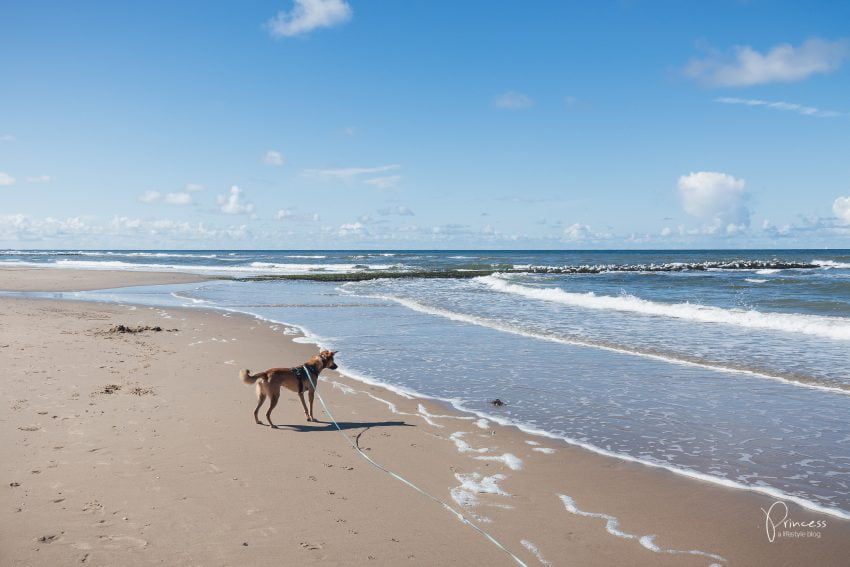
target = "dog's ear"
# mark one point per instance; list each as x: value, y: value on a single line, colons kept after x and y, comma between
x: 333, y: 352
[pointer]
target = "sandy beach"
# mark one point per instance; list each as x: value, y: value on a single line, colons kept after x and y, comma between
x: 140, y: 448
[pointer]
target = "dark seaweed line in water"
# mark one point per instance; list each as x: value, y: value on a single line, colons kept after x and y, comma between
x: 584, y: 269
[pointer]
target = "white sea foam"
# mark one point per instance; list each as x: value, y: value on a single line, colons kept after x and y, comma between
x: 545, y: 450
x: 344, y: 388
x: 187, y: 298
x: 828, y: 327
x: 612, y: 526
x: 830, y: 264
x: 767, y: 271
x: 463, y: 446
x: 508, y: 459
x: 424, y: 412
x: 482, y: 424
x: 754, y: 280
x: 536, y: 552
x: 473, y: 484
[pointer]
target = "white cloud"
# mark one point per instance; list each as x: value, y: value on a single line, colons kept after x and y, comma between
x: 716, y: 197
x: 666, y: 231
x: 7, y: 138
x: 783, y: 63
x: 307, y: 15
x: 39, y: 179
x: 284, y: 214
x: 351, y: 228
x: 513, y: 100
x: 178, y: 199
x: 841, y: 209
x: 149, y: 197
x: 22, y: 227
x: 193, y: 187
x: 346, y: 173
x: 400, y: 210
x: 577, y: 232
x: 233, y: 203
x: 387, y: 182
x: 781, y: 105
x: 6, y: 179
x: 273, y: 157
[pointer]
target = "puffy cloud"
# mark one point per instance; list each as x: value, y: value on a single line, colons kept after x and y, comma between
x: 233, y: 203
x: 307, y: 15
x: 284, y: 214
x: 716, y: 197
x: 178, y: 199
x: 577, y: 232
x: 387, y: 182
x: 346, y: 173
x: 841, y: 209
x: 149, y: 197
x: 513, y: 100
x: 6, y: 179
x: 273, y: 157
x: 783, y: 63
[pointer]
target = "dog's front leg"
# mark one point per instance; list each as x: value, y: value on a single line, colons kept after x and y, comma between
x: 304, y: 404
x: 311, y: 418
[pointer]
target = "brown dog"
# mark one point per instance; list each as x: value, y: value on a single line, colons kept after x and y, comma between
x: 295, y: 379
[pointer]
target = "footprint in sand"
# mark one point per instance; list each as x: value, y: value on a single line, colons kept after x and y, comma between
x: 311, y: 546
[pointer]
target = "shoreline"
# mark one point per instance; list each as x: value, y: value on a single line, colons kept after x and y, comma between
x: 560, y: 500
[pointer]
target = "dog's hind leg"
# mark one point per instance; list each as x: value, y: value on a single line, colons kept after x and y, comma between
x: 261, y: 397
x: 304, y: 405
x: 272, y: 404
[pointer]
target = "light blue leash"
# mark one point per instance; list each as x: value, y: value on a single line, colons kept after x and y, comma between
x: 459, y: 516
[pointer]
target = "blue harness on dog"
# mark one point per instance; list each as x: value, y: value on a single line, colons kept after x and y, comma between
x: 302, y: 374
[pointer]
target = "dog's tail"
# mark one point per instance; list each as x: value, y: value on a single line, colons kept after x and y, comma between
x: 245, y: 376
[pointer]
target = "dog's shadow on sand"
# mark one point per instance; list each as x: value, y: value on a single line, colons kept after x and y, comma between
x: 317, y: 426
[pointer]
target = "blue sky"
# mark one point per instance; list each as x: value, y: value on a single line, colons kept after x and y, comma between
x: 424, y: 124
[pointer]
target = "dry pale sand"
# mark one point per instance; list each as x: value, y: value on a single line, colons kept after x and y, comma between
x: 57, y: 279
x: 139, y: 449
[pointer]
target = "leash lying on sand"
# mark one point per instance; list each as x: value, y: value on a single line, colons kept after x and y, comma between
x: 397, y: 476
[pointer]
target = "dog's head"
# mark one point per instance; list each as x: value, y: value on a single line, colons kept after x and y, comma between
x: 327, y: 358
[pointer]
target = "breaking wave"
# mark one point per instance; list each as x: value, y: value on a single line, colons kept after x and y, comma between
x: 835, y: 328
